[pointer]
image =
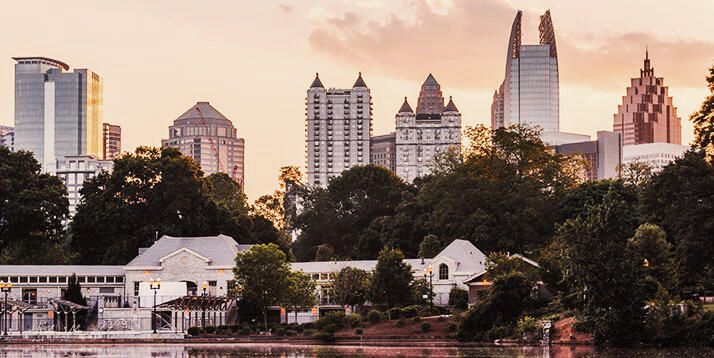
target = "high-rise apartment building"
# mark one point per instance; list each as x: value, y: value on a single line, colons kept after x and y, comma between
x: 210, y: 139
x: 431, y: 100
x: 111, y: 141
x: 74, y: 170
x: 420, y: 137
x: 7, y: 137
x: 57, y: 113
x: 383, y: 151
x: 529, y: 93
x: 647, y: 114
x: 338, y: 129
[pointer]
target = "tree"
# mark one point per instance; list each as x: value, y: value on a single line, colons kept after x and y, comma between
x: 351, y: 286
x: 300, y: 292
x: 679, y: 199
x: 650, y: 244
x: 391, y: 280
x: 703, y: 120
x: 636, y: 173
x: 280, y: 207
x: 459, y: 298
x: 324, y: 253
x: 263, y: 273
x: 340, y: 214
x: 430, y: 246
x: 33, y: 206
x: 500, y: 263
x: 73, y: 293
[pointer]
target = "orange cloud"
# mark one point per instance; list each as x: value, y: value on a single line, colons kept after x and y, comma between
x: 466, y: 47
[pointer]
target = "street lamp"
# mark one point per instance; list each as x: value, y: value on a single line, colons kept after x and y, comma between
x: 431, y: 287
x: 155, y: 286
x: 204, y: 287
x: 5, y: 287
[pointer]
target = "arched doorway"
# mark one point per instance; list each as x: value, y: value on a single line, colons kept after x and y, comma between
x: 191, y: 288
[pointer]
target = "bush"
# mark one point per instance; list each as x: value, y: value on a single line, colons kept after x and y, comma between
x: 527, y: 325
x: 359, y: 331
x: 194, y: 331
x: 210, y: 330
x: 374, y: 316
x: 245, y: 331
x: 417, y: 319
x: 401, y: 323
x: 280, y: 331
x: 353, y: 320
x: 394, y: 313
x: 300, y: 328
x: 410, y: 311
x: 324, y: 336
x: 459, y: 299
x: 291, y: 332
x: 309, y: 332
x: 426, y: 327
x: 502, y: 331
x: 451, y: 327
x: 334, y: 320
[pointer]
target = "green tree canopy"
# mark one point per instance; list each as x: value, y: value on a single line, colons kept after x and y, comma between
x: 263, y: 275
x: 430, y: 246
x: 703, y: 119
x: 391, y: 280
x: 351, y: 286
x: 32, y: 208
x: 300, y: 292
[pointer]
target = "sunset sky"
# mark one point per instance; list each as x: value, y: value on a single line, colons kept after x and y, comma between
x: 254, y: 60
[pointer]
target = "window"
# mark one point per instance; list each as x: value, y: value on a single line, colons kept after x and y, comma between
x: 136, y: 288
x: 443, y: 272
x: 29, y: 295
x: 106, y: 290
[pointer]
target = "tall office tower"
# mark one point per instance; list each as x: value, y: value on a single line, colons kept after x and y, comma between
x: 338, y: 128
x: 422, y: 136
x: 112, y: 141
x: 210, y: 139
x: 383, y: 151
x: 647, y: 114
x: 529, y: 92
x: 57, y: 113
x: 7, y: 137
x: 430, y: 98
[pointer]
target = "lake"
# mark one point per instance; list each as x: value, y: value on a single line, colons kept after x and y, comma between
x: 299, y: 351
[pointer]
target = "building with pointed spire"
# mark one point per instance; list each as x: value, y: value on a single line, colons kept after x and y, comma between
x: 422, y: 136
x: 210, y: 138
x: 338, y: 127
x: 529, y: 93
x: 647, y: 114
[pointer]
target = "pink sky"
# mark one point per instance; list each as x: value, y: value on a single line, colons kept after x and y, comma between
x: 253, y: 60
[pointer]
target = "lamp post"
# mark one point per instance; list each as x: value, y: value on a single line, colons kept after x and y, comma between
x: 431, y: 287
x: 154, y: 286
x: 204, y: 287
x: 5, y: 287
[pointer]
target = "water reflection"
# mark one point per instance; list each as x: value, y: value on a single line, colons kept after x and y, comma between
x: 300, y: 351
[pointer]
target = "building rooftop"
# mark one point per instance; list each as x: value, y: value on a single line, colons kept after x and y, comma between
x: 451, y: 107
x: 47, y: 60
x: 219, y: 250
x: 317, y: 83
x: 60, y: 270
x: 406, y: 108
x: 359, y: 82
x: 203, y: 110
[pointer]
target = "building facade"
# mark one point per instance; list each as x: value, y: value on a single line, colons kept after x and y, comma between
x: 57, y: 113
x: 420, y: 137
x: 657, y: 155
x: 338, y: 129
x: 7, y: 137
x: 383, y: 151
x: 111, y: 141
x: 529, y: 93
x: 647, y: 114
x: 431, y: 100
x: 74, y: 170
x: 210, y: 138
x: 603, y: 156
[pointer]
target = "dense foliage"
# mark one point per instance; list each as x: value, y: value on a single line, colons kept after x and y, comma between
x: 351, y: 286
x: 391, y: 280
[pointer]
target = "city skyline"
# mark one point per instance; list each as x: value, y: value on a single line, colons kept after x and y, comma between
x: 161, y: 43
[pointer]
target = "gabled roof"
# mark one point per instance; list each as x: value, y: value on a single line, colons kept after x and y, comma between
x: 451, y: 107
x: 359, y: 82
x: 406, y: 108
x: 205, y: 110
x: 468, y: 257
x: 317, y: 83
x: 431, y: 80
x: 218, y: 250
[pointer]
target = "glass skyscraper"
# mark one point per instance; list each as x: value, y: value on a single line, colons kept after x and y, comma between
x: 57, y: 113
x: 529, y: 93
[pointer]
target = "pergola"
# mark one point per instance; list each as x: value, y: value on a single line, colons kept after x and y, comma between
x: 215, y: 306
x: 14, y: 305
x: 66, y: 307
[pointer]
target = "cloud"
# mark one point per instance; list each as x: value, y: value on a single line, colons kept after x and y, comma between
x: 464, y: 45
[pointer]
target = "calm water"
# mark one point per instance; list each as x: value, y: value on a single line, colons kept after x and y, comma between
x: 289, y: 351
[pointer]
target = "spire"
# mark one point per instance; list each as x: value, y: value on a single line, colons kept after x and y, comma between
x: 359, y: 82
x: 406, y: 108
x: 451, y: 107
x: 431, y: 80
x: 317, y: 83
x: 647, y: 70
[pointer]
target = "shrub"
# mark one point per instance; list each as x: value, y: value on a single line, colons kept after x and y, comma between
x: 291, y: 332
x: 417, y: 319
x: 300, y: 328
x: 359, y: 331
x: 235, y: 328
x: 440, y: 318
x: 194, y: 331
x: 324, y: 336
x: 308, y: 325
x: 401, y: 323
x: 527, y: 325
x: 451, y: 327
x: 353, y: 320
x: 426, y: 327
x: 374, y: 316
x: 501, y: 331
x: 210, y: 330
x: 394, y: 313
x: 459, y: 299
x: 280, y: 331
x: 409, y: 311
x: 335, y: 320
x: 245, y: 331
x: 309, y: 332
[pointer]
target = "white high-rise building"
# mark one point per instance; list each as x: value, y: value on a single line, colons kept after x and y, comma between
x: 420, y: 137
x: 657, y: 154
x: 75, y: 170
x: 57, y: 113
x: 338, y: 128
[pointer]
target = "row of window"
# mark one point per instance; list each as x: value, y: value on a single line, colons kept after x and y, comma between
x: 62, y: 279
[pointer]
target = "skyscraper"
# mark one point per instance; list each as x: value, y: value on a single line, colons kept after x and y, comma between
x: 422, y: 136
x: 112, y: 141
x: 210, y: 139
x: 529, y: 93
x: 338, y: 129
x: 57, y: 113
x: 383, y: 151
x: 647, y: 114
